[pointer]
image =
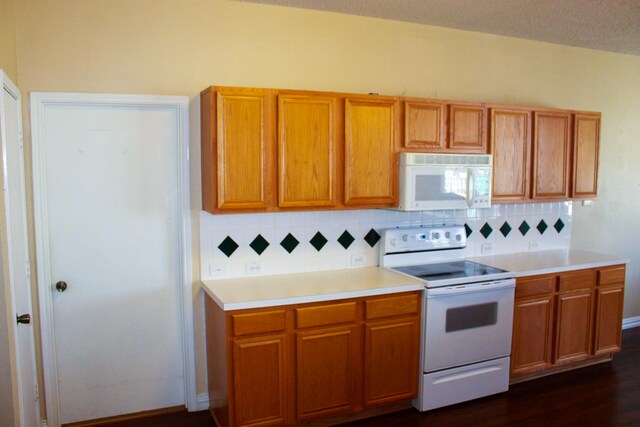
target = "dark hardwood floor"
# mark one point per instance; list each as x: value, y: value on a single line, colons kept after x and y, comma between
x: 603, y: 395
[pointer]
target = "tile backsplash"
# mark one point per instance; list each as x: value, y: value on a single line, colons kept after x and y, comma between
x: 293, y: 242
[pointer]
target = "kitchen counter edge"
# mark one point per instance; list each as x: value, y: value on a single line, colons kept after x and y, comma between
x: 287, y: 289
x: 550, y: 261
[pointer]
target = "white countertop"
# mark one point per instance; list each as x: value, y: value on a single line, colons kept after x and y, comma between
x: 267, y: 291
x: 552, y: 261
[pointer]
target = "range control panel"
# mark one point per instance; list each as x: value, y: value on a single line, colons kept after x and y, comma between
x: 414, y: 239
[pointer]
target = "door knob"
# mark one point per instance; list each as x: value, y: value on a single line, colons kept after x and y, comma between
x: 61, y: 286
x: 24, y: 318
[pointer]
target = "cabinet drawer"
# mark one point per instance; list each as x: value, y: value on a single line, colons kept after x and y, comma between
x: 611, y: 276
x: 258, y: 323
x: 323, y: 315
x: 535, y: 286
x: 392, y: 306
x: 584, y: 279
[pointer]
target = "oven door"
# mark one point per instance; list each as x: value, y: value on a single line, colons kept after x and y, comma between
x: 468, y: 323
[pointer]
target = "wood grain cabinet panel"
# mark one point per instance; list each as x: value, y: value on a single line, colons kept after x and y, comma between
x: 573, y: 328
x: 511, y: 147
x: 371, y: 138
x: 532, y: 334
x: 259, y: 381
x: 326, y: 364
x: 237, y: 153
x: 609, y: 308
x: 425, y: 126
x: 551, y: 145
x: 308, y: 151
x: 391, y: 354
x: 467, y: 128
x: 586, y: 146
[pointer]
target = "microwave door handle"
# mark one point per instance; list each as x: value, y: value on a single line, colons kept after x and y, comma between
x: 470, y: 188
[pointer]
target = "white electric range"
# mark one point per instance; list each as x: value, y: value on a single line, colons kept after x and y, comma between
x: 467, y: 314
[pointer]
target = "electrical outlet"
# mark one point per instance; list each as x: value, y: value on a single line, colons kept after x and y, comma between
x: 359, y: 259
x: 253, y: 268
x: 217, y: 270
x: 533, y: 245
x: 486, y: 248
x: 587, y: 203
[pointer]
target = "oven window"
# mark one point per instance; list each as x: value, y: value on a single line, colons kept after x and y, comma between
x: 471, y: 316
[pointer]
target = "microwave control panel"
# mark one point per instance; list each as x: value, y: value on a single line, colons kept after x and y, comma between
x: 481, y: 197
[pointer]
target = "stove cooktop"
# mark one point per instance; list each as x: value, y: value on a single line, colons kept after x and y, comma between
x: 453, y: 272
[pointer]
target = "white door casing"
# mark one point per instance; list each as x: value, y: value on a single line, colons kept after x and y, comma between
x: 111, y: 205
x: 21, y: 348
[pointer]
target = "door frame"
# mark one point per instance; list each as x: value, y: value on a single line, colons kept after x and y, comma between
x: 17, y: 359
x: 180, y: 107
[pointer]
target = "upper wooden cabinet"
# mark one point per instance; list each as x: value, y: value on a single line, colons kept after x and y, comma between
x: 511, y: 149
x: 434, y: 126
x: 309, y: 151
x: 586, y: 144
x: 425, y: 125
x: 237, y: 154
x: 551, y: 145
x: 467, y: 128
x: 371, y: 141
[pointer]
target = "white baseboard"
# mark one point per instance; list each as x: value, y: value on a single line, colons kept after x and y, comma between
x: 631, y: 322
x: 202, y: 402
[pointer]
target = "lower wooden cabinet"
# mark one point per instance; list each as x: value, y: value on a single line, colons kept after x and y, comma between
x: 259, y: 392
x: 566, y: 319
x: 390, y: 361
x: 304, y: 363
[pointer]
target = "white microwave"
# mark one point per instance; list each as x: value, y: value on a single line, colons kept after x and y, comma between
x: 444, y: 181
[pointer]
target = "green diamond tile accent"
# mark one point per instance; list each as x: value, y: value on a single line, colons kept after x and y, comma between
x: 228, y: 246
x: 542, y: 226
x: 259, y: 244
x: 318, y: 241
x: 486, y: 230
x: 505, y: 229
x: 346, y: 239
x: 524, y: 228
x: 289, y: 243
x: 372, y: 237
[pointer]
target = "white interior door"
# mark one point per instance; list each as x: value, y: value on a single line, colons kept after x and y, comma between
x: 109, y: 184
x: 19, y: 338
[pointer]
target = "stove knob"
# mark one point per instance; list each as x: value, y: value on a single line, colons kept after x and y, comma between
x: 436, y: 236
x: 447, y: 235
x: 393, y: 242
x: 458, y: 237
x: 405, y: 237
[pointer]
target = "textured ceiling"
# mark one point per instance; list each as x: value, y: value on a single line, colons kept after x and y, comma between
x: 611, y: 25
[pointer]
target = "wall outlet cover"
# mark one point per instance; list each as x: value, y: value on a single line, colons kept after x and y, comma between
x: 358, y: 259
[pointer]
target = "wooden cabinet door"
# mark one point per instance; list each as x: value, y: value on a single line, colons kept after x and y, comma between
x: 573, y: 327
x: 238, y: 149
x: 371, y: 165
x: 511, y: 148
x: 531, y: 348
x: 608, y: 331
x: 586, y: 144
x: 391, y: 356
x: 308, y: 151
x: 259, y: 381
x: 326, y: 363
x: 467, y: 128
x: 425, y: 126
x: 551, y: 155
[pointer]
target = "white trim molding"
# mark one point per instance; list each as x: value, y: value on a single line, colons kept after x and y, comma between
x: 631, y: 322
x: 180, y: 106
x: 203, y: 402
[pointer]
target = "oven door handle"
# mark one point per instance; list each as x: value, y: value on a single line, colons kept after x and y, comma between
x: 446, y: 291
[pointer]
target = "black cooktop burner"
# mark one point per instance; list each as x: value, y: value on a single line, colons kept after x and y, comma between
x: 449, y: 270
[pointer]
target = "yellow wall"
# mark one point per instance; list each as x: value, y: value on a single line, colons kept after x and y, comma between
x: 179, y: 47
x: 8, y: 39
